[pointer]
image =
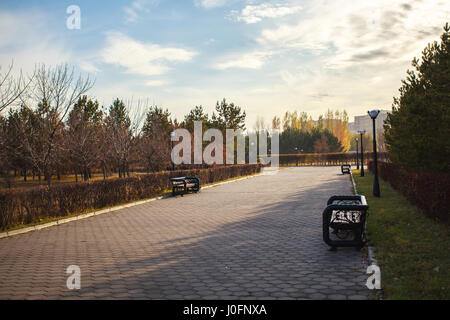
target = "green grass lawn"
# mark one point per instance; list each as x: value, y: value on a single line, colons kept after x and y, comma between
x: 412, y: 250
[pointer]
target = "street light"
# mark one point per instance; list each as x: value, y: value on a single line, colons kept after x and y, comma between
x: 357, y: 159
x: 362, y: 152
x: 376, y: 186
x: 172, y: 135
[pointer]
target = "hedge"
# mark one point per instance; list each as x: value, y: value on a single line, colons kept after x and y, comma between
x: 326, y: 158
x: 29, y: 205
x: 430, y: 191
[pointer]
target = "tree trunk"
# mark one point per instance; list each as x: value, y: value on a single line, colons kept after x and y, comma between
x: 104, y: 171
x: 85, y: 174
x: 47, y: 176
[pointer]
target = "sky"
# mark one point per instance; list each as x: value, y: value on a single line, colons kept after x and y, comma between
x: 268, y: 57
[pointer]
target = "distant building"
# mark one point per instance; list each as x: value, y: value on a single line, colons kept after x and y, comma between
x: 352, y: 127
x: 365, y: 123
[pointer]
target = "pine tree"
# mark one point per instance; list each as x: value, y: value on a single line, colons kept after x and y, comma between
x: 229, y: 116
x: 418, y: 132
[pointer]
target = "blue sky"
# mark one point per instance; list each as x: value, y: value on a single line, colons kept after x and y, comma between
x: 266, y: 56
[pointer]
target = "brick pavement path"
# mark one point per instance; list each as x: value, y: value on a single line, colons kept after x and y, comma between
x: 258, y: 238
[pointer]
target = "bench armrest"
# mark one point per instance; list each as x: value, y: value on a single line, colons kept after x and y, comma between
x: 356, y: 197
x: 193, y: 180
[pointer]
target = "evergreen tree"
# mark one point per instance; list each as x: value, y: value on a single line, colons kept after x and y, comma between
x: 157, y: 121
x: 83, y: 136
x: 196, y: 114
x: 118, y: 114
x: 418, y: 132
x: 293, y: 140
x: 229, y: 116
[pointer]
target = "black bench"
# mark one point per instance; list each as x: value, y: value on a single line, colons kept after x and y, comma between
x: 344, y: 221
x: 182, y: 185
x: 345, y: 168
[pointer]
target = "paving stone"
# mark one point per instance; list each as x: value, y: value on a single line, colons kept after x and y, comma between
x: 337, y: 297
x: 357, y: 297
x: 317, y: 296
x: 255, y: 238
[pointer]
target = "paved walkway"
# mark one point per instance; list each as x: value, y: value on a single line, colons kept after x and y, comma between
x: 256, y: 238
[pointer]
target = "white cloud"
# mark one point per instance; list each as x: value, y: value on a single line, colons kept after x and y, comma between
x: 354, y: 32
x: 29, y: 41
x: 138, y: 6
x: 156, y: 83
x: 253, y: 60
x: 208, y: 4
x: 210, y: 41
x: 140, y: 57
x: 255, y: 13
x: 88, y: 66
x: 338, y: 54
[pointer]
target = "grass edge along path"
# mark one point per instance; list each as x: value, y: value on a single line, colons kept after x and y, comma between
x: 411, y: 249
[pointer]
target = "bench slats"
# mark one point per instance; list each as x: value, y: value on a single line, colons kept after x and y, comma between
x: 182, y: 185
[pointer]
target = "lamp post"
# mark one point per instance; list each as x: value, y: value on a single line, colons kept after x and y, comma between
x: 357, y: 158
x: 362, y: 152
x: 172, y: 135
x: 376, y: 186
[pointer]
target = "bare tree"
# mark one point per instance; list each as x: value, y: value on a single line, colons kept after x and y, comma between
x: 260, y: 124
x: 4, y: 156
x: 11, y: 88
x: 54, y: 90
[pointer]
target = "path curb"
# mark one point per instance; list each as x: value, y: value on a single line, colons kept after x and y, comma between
x: 370, y: 250
x: 78, y: 217
x: 353, y: 183
x: 371, y: 255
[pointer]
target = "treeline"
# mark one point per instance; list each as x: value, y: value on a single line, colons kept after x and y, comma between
x: 56, y: 130
x: 301, y: 134
x: 294, y: 141
x: 327, y: 159
x: 83, y: 137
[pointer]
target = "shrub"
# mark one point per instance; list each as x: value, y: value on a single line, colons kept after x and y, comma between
x: 429, y: 191
x: 29, y: 205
